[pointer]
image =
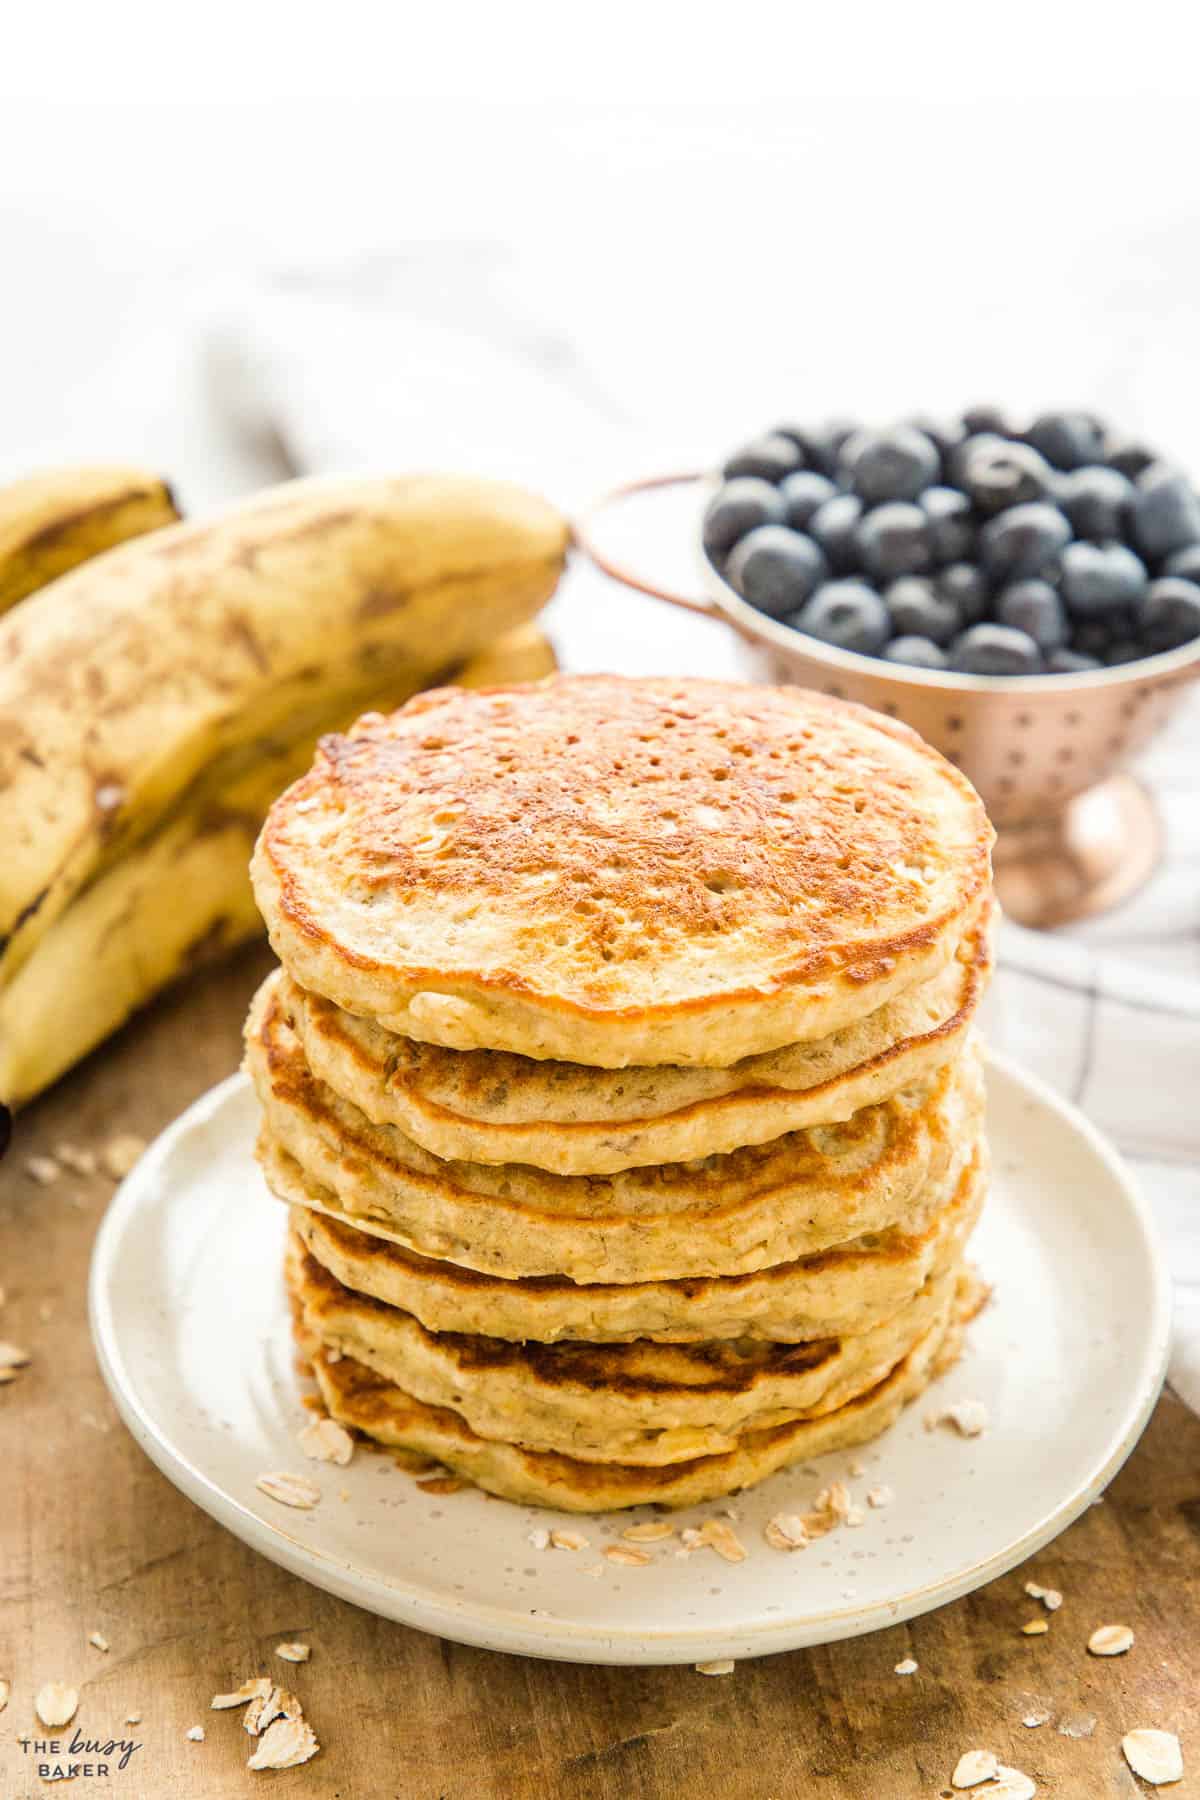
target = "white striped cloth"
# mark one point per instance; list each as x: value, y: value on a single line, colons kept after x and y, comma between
x: 442, y: 368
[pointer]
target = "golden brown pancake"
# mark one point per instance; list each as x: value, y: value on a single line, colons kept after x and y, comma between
x: 724, y: 1215
x: 619, y: 872
x: 359, y: 1398
x: 846, y: 1289
x: 492, y: 1106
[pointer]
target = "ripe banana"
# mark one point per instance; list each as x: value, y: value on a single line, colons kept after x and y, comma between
x: 142, y: 682
x: 49, y: 523
x: 179, y: 898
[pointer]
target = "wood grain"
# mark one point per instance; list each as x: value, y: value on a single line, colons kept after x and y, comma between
x: 93, y: 1538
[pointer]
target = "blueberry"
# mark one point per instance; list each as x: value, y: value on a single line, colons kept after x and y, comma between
x: 891, y: 465
x: 1166, y: 512
x: 833, y: 526
x: 1098, y: 577
x: 1033, y: 607
x: 985, y: 418
x: 915, y: 653
x: 802, y: 493
x: 1023, y: 540
x: 846, y: 613
x: 776, y: 569
x: 738, y: 507
x: 1092, y: 638
x: 1124, y: 650
x: 770, y: 457
x: 1185, y: 563
x: 965, y: 589
x: 1067, y: 439
x: 951, y: 533
x: 998, y: 473
x: 995, y: 650
x: 944, y: 434
x: 1097, y: 501
x: 1069, y: 662
x: 1169, y: 614
x: 820, y: 445
x: 1129, y: 458
x: 917, y: 609
x: 893, y: 539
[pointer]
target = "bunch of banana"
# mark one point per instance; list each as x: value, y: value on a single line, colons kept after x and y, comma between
x: 154, y: 701
x: 51, y: 522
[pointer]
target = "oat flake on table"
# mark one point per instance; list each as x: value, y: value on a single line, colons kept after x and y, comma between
x: 293, y: 1653
x: 1154, y: 1755
x: 5, y: 1691
x: 1110, y: 1640
x: 972, y: 1767
x: 723, y: 1665
x: 56, y: 1703
x: 284, y: 1745
x: 195, y: 1733
x: 257, y: 1688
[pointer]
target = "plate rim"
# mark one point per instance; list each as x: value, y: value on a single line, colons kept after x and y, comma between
x: 488, y: 1626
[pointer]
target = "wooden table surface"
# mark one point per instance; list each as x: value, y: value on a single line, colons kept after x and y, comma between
x: 93, y: 1538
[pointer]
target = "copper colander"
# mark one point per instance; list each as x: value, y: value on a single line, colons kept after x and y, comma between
x: 1048, y: 753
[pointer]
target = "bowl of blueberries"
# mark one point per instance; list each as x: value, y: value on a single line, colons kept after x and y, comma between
x: 1027, y: 596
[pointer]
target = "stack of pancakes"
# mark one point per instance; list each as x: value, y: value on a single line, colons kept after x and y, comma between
x: 620, y: 1078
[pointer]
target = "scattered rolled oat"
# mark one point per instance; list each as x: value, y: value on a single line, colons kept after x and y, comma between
x: 1011, y: 1784
x: 652, y: 1532
x: 1154, y: 1755
x: 857, y: 1467
x: 3, y: 1296
x: 56, y: 1703
x: 974, y: 1766
x: 968, y: 1417
x: 834, y: 1499
x: 284, y: 1745
x: 257, y: 1688
x: 97, y: 1640
x: 195, y: 1733
x: 909, y: 1666
x: 568, y: 1540
x: 443, y: 1484
x: 324, y: 1440
x: 1032, y: 1720
x: 277, y: 1704
x: 293, y: 1653
x: 1052, y: 1599
x: 882, y: 1495
x: 627, y: 1553
x: 786, y: 1531
x: 722, y: 1666
x: 690, y: 1539
x: 1110, y: 1640
x: 289, y: 1490
x: 721, y: 1538
x: 121, y: 1153
x: 1079, y: 1725
x: 857, y: 1515
x: 80, y: 1162
x: 133, y: 1718
x: 539, y: 1538
x: 1035, y: 1627
x: 42, y: 1169
x: 12, y: 1358
x: 5, y: 1691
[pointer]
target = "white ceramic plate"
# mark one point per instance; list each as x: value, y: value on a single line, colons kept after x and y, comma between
x: 192, y: 1332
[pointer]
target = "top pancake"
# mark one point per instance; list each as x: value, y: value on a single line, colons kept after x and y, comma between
x: 614, y: 872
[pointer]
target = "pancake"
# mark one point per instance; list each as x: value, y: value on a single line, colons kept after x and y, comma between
x: 361, y: 1399
x: 616, y: 872
x: 640, y: 1403
x: 491, y: 1106
x: 848, y: 1289
x: 726, y: 1215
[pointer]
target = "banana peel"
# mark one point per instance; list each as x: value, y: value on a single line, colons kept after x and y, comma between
x: 52, y: 522
x: 181, y: 897
x: 139, y: 686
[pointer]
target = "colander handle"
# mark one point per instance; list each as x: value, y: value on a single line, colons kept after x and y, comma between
x: 611, y: 566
